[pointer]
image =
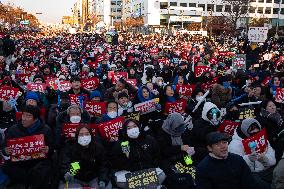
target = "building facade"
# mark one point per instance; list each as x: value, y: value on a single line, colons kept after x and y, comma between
x: 108, y: 11
x: 159, y: 12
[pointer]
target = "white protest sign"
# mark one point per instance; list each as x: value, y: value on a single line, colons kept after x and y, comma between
x: 257, y: 34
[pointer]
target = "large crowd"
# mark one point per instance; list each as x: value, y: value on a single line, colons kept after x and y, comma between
x: 179, y: 111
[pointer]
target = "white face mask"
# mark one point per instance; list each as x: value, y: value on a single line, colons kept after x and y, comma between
x: 84, y: 140
x: 75, y: 119
x: 133, y: 133
x: 198, y: 98
x: 112, y: 114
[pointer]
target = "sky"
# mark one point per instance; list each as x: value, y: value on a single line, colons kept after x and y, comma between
x: 52, y: 10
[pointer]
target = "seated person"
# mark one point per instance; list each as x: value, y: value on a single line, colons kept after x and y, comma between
x: 30, y: 173
x: 90, y: 157
x: 133, y: 152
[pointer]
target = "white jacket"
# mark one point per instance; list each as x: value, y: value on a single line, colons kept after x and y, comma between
x: 236, y: 147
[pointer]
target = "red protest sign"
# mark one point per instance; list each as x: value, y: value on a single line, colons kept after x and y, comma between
x: 279, y: 96
x: 69, y: 129
x: 224, y: 53
x: 146, y: 107
x: 64, y: 85
x: 41, y: 87
x: 199, y: 70
x: 261, y: 142
x: 24, y: 77
x: 115, y: 76
x: 26, y: 148
x: 90, y: 83
x: 266, y: 81
x: 95, y: 108
x: 154, y: 51
x: 185, y: 90
x: 178, y: 106
x: 164, y: 61
x: 213, y: 61
x: 100, y: 58
x: 228, y: 127
x: 209, y: 85
x: 109, y: 130
x: 8, y: 92
x: 93, y: 64
x: 281, y: 58
x: 75, y: 98
x: 132, y: 82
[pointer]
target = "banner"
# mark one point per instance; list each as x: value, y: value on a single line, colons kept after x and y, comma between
x: 185, y: 90
x: 279, y: 96
x: 90, y: 83
x: 26, y: 148
x: 95, y: 108
x: 8, y: 92
x: 146, y: 107
x: 132, y: 115
x: 246, y: 113
x: 180, y: 168
x: 178, y: 106
x: 228, y: 127
x: 257, y: 34
x: 64, y: 85
x: 146, y: 178
x: 37, y: 87
x: 109, y: 130
x: 239, y: 62
x: 185, y: 19
x: 69, y: 129
x: 261, y: 142
x: 199, y: 70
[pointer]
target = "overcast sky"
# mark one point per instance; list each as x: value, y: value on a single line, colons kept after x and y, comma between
x: 52, y: 10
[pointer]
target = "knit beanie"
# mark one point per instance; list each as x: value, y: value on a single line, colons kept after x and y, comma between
x: 32, y: 95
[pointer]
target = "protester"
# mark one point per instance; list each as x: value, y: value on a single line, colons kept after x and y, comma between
x: 221, y: 169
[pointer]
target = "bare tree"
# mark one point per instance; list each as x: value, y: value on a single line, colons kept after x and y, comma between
x: 236, y: 9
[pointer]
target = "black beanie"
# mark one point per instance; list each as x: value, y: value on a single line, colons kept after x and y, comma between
x: 122, y: 94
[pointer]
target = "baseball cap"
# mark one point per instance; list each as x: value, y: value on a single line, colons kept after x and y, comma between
x: 215, y: 137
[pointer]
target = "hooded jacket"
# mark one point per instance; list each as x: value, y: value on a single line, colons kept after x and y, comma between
x: 236, y: 147
x: 202, y: 127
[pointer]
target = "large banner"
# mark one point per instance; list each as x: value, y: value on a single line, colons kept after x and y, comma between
x: 257, y: 34
x: 260, y: 140
x: 26, y: 148
x: 109, y: 130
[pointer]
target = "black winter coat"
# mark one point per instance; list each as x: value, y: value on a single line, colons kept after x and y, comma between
x: 144, y: 153
x: 91, y: 160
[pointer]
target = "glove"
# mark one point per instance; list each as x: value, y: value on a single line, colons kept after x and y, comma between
x: 102, y: 185
x: 253, y: 157
x: 68, y: 176
x: 190, y: 151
